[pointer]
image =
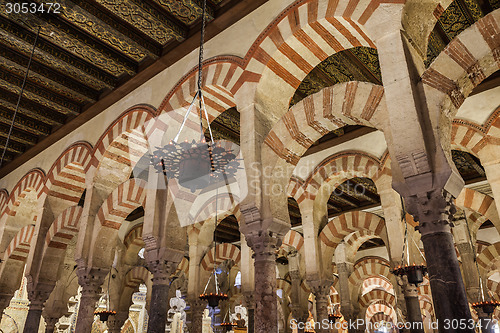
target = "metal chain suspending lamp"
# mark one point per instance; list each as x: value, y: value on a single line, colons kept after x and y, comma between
x: 414, y: 273
x: 196, y: 164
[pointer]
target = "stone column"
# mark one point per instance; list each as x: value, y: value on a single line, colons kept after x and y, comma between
x: 37, y: 298
x: 413, y: 313
x: 250, y: 305
x: 469, y: 269
x: 116, y: 322
x: 50, y: 324
x: 90, y: 280
x: 196, y: 306
x: 321, y: 290
x: 162, y: 270
x: 433, y: 212
x: 264, y: 244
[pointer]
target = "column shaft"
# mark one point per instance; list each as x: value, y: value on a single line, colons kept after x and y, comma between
x: 414, y: 314
x: 86, y: 310
x: 158, y: 308
x: 50, y: 324
x: 33, y: 319
x: 197, y: 307
x: 448, y: 291
x: 266, y: 312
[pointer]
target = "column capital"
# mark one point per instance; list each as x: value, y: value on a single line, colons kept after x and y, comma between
x: 432, y: 210
x: 91, y: 279
x: 162, y: 263
x: 50, y: 323
x: 263, y: 243
x: 116, y: 322
x: 320, y: 288
x: 39, y: 294
x: 196, y: 304
x: 249, y: 300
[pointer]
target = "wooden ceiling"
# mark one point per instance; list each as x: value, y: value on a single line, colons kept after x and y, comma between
x: 89, y: 56
x: 457, y: 17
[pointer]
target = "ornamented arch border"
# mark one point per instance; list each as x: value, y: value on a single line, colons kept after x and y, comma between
x: 462, y: 66
x: 35, y: 179
x: 225, y: 252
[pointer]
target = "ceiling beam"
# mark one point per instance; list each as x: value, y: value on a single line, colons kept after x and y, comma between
x: 220, y: 23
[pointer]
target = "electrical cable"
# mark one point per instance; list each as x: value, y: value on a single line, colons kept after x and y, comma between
x: 19, y: 98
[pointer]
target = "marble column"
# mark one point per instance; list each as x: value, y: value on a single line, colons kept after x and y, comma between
x: 250, y: 305
x: 413, y: 313
x: 433, y: 212
x: 196, y: 306
x: 265, y: 244
x: 37, y: 298
x: 50, y: 324
x: 116, y: 322
x: 321, y: 290
x: 162, y: 270
x: 90, y: 280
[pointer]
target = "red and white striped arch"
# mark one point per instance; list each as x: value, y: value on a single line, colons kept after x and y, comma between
x: 377, y: 295
x: 467, y: 137
x: 134, y: 237
x: 293, y: 239
x: 132, y: 119
x: 33, y: 180
x: 337, y: 168
x: 480, y: 203
x: 66, y: 178
x: 19, y: 247
x: 381, y: 308
x: 374, y: 282
x: 341, y: 226
x: 4, y: 198
x: 321, y: 113
x: 475, y: 221
x: 356, y: 239
x: 64, y: 228
x: 466, y: 61
x: 224, y: 252
x: 367, y: 268
x: 304, y: 35
x: 221, y: 79
x: 426, y: 305
x: 377, y: 318
x: 223, y: 204
x: 489, y: 256
x: 121, y: 202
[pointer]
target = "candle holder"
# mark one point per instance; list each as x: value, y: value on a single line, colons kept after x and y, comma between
x: 213, y: 298
x: 414, y: 273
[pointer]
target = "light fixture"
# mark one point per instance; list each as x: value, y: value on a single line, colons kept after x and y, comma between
x: 414, y: 273
x: 488, y: 307
x: 196, y: 164
x: 104, y: 314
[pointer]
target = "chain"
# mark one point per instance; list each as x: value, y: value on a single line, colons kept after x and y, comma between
x: 202, y: 40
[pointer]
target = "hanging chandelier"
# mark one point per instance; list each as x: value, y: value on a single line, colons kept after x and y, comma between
x: 414, y: 273
x: 333, y: 317
x: 196, y: 164
x: 104, y: 314
x: 488, y: 307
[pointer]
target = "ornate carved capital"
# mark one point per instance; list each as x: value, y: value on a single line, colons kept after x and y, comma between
x: 162, y: 270
x: 433, y: 210
x: 91, y: 280
x: 116, y: 322
x: 320, y: 289
x: 249, y: 300
x: 196, y: 305
x: 264, y: 244
x: 39, y: 295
